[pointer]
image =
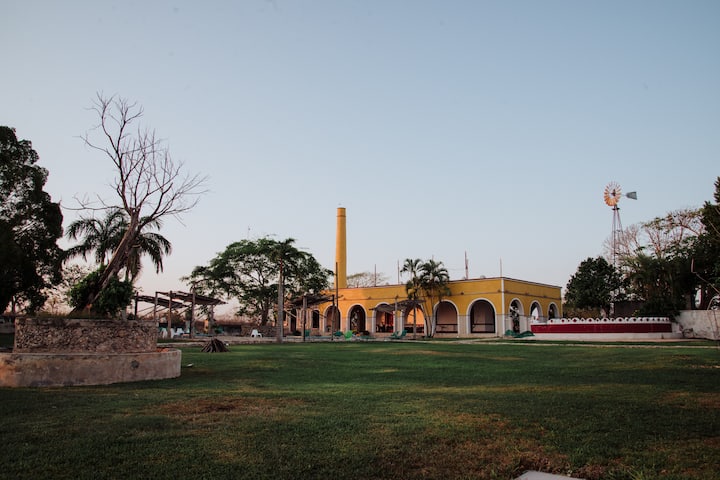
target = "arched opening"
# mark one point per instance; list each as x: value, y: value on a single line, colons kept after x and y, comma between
x: 357, y: 319
x: 515, y: 311
x: 384, y: 318
x: 447, y: 318
x: 482, y: 317
x: 535, y: 312
x: 291, y: 320
x: 315, y: 322
x: 414, y: 320
x: 332, y: 318
x: 552, y: 311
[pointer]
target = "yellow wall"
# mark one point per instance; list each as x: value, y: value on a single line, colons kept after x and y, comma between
x: 497, y: 291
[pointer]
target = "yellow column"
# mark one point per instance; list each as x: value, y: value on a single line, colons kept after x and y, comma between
x: 340, y: 250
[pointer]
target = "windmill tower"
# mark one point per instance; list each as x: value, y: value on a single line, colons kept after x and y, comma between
x: 612, y: 196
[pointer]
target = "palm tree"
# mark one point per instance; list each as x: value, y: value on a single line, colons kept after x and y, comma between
x: 433, y: 281
x: 412, y: 268
x: 103, y: 237
x: 152, y: 244
x: 100, y: 236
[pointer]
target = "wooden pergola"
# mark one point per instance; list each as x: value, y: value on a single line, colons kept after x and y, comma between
x: 178, y: 300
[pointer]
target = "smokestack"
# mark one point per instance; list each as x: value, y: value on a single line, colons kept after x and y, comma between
x: 340, y: 250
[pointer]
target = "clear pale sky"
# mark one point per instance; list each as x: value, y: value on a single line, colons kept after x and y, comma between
x: 443, y: 127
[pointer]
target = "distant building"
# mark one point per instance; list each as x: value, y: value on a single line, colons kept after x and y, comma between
x: 483, y: 307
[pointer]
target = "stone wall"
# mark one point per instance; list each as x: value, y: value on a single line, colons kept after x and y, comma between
x: 70, y: 369
x: 700, y: 324
x: 68, y: 335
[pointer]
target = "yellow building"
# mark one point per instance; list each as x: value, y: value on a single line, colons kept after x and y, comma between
x: 482, y: 307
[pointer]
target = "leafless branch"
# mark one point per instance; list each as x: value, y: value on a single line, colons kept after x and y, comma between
x: 148, y: 183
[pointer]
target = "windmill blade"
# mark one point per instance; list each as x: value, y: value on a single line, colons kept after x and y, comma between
x: 612, y: 194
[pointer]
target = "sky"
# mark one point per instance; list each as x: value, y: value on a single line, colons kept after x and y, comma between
x: 486, y: 129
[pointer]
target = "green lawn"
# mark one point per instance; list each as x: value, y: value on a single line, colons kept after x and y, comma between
x: 382, y: 410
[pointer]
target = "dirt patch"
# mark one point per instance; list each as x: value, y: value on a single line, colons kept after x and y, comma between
x: 226, y: 406
x: 504, y: 359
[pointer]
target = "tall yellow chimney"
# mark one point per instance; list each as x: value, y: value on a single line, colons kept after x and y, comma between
x: 340, y: 250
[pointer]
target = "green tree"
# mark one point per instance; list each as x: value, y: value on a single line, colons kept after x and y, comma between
x: 706, y: 250
x: 111, y: 300
x: 249, y: 271
x: 660, y: 283
x: 593, y: 285
x: 710, y: 214
x: 30, y: 226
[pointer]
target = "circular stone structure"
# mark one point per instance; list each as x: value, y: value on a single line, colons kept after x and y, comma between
x: 65, y: 352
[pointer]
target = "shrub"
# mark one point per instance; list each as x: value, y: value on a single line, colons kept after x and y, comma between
x: 114, y: 298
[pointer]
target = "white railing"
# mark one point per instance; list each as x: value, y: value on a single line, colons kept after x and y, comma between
x: 616, y: 320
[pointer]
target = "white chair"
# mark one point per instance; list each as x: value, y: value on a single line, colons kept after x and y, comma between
x: 255, y: 333
x: 163, y: 332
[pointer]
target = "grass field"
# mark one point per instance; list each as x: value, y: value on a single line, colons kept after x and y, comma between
x: 382, y: 410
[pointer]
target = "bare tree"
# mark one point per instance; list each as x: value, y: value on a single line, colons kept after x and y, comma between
x: 657, y: 237
x: 672, y: 230
x: 626, y: 243
x: 148, y: 183
x: 366, y: 279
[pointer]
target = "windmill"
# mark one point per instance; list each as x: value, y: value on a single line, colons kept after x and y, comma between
x: 612, y: 196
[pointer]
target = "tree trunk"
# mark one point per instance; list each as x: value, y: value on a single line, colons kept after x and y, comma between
x: 281, y: 306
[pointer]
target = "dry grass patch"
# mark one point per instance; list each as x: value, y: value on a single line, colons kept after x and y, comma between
x: 691, y: 458
x: 692, y: 400
x: 466, y: 445
x: 415, y: 352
